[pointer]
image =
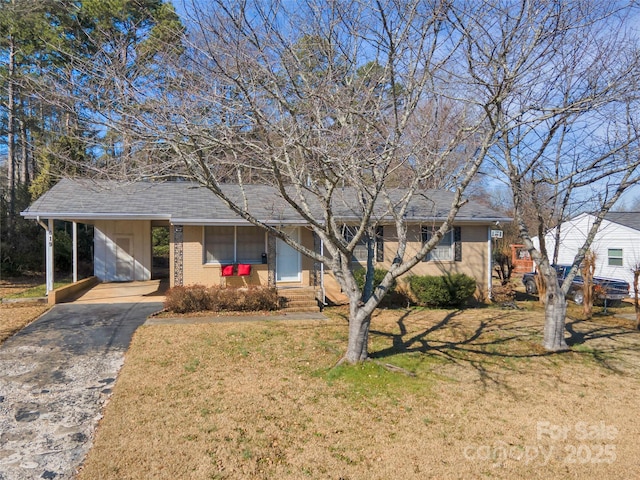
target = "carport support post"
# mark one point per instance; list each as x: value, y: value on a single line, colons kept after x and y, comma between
x: 48, y: 251
x: 49, y: 255
x: 75, y: 251
x: 489, y: 263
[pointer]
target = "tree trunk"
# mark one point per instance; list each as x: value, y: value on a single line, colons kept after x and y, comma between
x: 541, y: 286
x: 24, y: 153
x: 359, y: 324
x: 636, y: 304
x: 555, y: 313
x: 588, y: 271
x: 11, y: 140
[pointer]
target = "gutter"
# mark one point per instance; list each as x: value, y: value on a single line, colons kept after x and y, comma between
x: 417, y: 220
x: 239, y: 221
x: 93, y: 216
x: 234, y: 222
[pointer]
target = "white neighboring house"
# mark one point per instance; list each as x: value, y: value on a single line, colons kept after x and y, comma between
x: 616, y: 245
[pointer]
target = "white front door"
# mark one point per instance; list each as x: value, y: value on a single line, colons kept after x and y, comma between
x: 288, y: 259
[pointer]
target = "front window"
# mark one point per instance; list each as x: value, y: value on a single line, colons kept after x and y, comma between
x: 225, y: 244
x: 360, y: 252
x: 443, y: 251
x: 615, y: 257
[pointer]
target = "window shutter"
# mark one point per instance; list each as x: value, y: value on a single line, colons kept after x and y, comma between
x: 380, y: 244
x: 424, y: 233
x: 457, y: 245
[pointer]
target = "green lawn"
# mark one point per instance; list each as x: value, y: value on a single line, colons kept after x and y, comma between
x: 38, y: 290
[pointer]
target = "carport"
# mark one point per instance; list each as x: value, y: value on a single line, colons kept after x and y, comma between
x: 123, y: 218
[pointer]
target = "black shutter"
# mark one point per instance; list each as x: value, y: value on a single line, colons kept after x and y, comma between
x: 424, y: 233
x: 457, y: 245
x: 380, y: 244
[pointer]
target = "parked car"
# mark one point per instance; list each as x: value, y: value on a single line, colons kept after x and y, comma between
x: 610, y: 289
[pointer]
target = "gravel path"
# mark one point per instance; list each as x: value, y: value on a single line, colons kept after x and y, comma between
x: 55, y: 377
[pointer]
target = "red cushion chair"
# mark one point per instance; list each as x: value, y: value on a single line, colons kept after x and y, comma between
x: 227, y: 270
x: 244, y: 269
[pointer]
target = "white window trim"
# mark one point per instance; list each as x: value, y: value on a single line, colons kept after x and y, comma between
x: 609, y: 257
x: 449, y: 233
x: 235, y: 245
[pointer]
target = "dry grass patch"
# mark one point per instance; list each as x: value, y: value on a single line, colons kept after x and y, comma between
x: 474, y: 397
x: 15, y: 316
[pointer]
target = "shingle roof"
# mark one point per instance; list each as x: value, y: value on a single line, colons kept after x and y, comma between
x: 628, y: 219
x: 186, y: 202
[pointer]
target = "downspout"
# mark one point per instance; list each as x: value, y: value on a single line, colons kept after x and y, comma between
x: 48, y: 251
x: 41, y: 223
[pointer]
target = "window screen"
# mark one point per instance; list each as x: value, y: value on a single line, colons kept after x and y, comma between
x: 249, y: 244
x: 444, y: 250
x: 219, y: 244
x: 234, y: 244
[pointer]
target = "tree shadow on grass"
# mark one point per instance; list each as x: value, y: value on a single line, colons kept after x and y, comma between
x: 606, y: 341
x: 474, y: 341
x: 484, y: 347
x: 501, y: 343
x: 582, y: 331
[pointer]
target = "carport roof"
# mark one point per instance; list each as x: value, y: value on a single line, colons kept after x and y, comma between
x: 183, y: 202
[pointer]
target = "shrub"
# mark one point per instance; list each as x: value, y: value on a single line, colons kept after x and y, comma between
x: 259, y: 298
x: 395, y: 297
x: 197, y: 298
x: 442, y: 291
x: 503, y: 293
x: 378, y: 275
x: 161, y: 251
x: 194, y: 298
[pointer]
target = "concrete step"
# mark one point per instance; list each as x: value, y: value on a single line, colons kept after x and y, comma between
x: 298, y: 296
x: 299, y: 299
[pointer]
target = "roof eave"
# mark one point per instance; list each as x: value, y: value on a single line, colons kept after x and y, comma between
x: 232, y: 222
x: 93, y: 216
x: 457, y: 220
x: 208, y: 221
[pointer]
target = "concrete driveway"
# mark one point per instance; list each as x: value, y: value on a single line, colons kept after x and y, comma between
x: 57, y: 375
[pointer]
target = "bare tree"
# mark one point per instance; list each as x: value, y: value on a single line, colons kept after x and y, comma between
x: 324, y: 101
x: 566, y: 123
x: 319, y: 98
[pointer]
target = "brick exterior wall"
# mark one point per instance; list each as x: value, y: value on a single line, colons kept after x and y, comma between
x: 196, y: 271
x: 473, y: 250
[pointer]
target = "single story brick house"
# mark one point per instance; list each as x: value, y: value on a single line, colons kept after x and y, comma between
x: 211, y: 245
